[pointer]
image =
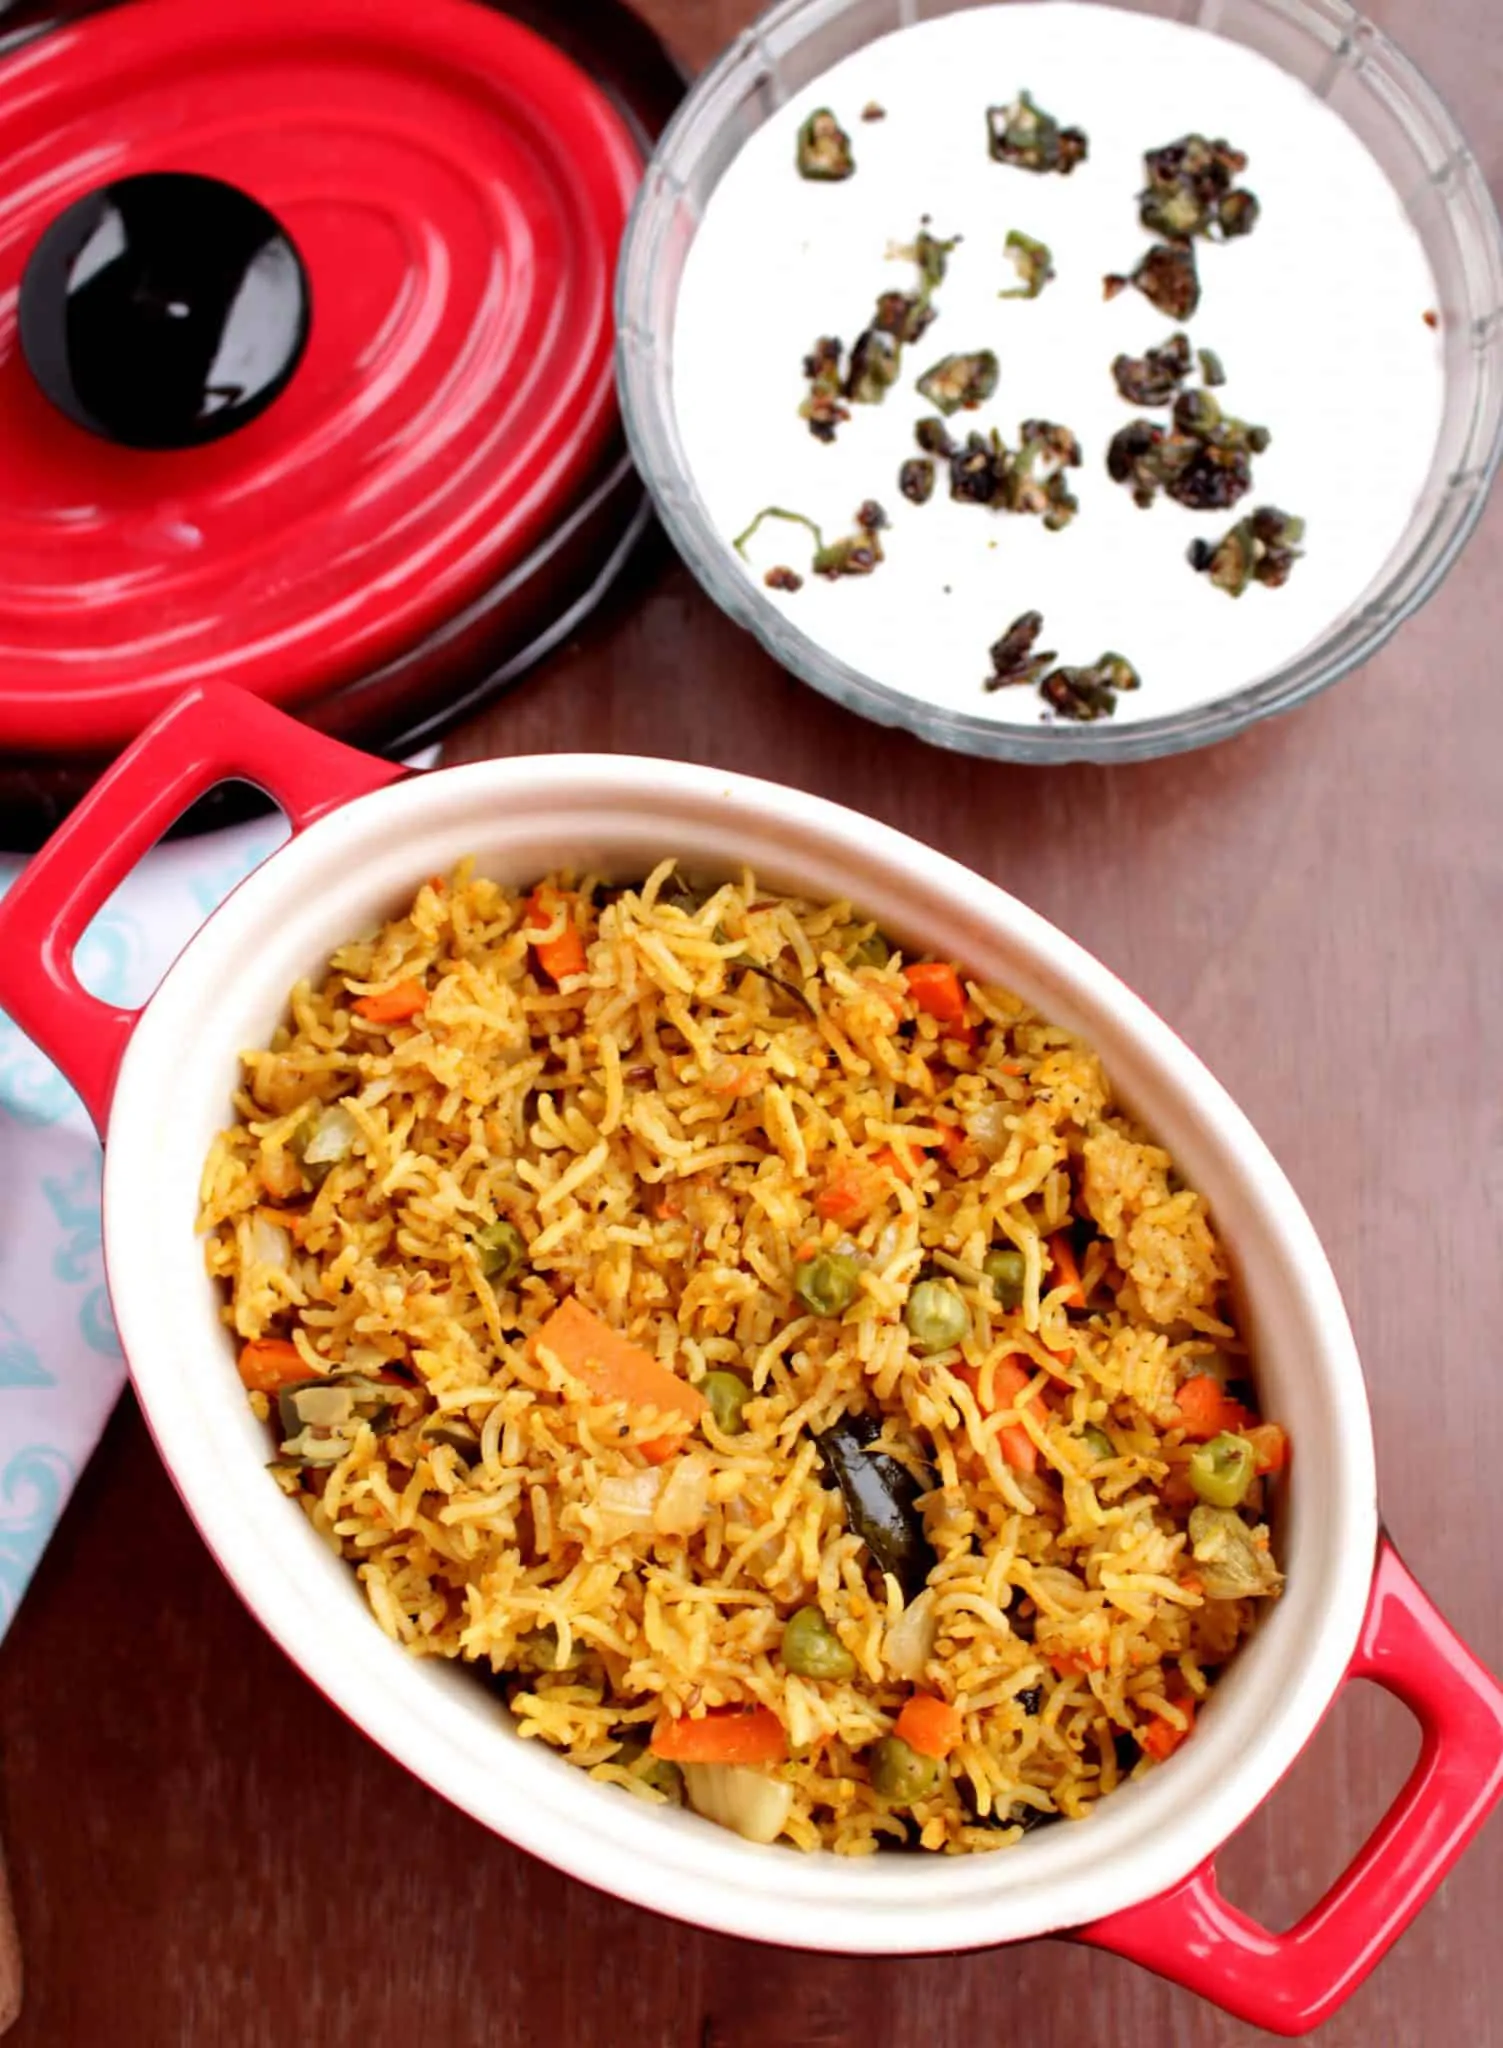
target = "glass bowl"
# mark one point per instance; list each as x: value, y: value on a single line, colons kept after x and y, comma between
x: 1332, y: 50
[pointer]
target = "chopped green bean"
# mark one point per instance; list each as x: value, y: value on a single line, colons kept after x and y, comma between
x: 1222, y: 1470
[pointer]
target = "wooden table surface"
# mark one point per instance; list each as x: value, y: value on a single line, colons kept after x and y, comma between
x: 202, y: 1850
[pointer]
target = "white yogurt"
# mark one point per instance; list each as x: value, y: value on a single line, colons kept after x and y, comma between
x: 1318, y: 317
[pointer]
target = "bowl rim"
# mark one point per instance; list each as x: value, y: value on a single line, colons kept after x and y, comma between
x: 439, y: 1723
x: 652, y: 434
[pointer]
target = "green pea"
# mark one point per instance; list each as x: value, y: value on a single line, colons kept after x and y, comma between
x: 827, y: 1283
x: 727, y: 1394
x: 872, y: 951
x: 901, y: 1775
x: 1097, y: 1442
x: 1222, y: 1470
x: 664, y: 1777
x: 653, y: 1770
x: 812, y: 1649
x: 503, y: 1251
x: 936, y: 1315
x: 538, y: 1651
x: 1005, y: 1270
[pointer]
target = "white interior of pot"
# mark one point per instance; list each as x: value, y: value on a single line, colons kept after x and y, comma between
x: 620, y: 816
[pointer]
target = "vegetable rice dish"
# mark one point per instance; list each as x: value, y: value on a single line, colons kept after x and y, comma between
x: 773, y: 1360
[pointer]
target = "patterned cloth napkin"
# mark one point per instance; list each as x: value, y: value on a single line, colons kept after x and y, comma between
x: 60, y: 1365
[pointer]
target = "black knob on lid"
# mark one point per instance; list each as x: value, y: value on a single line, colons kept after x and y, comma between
x: 164, y: 311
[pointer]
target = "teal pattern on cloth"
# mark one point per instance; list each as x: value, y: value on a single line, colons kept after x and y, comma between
x: 34, y: 1483
x: 60, y: 1364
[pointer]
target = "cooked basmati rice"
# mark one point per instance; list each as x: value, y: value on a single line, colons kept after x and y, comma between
x: 664, y: 1130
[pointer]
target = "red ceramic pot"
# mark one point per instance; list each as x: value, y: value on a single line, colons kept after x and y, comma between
x: 1139, y: 1876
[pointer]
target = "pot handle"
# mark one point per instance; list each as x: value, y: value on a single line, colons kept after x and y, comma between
x: 211, y: 734
x: 1292, y: 1982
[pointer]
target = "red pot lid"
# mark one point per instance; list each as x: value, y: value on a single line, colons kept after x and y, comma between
x: 456, y: 190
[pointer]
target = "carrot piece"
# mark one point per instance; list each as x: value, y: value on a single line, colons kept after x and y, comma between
x: 1077, y: 1663
x: 1019, y: 1451
x: 267, y: 1364
x: 1204, y: 1407
x: 293, y: 1221
x: 953, y: 1143
x: 850, y: 1195
x: 1008, y: 1381
x: 735, y: 1078
x: 726, y: 1735
x: 971, y: 1374
x: 1270, y: 1447
x: 614, y: 1369
x: 1018, y: 1448
x: 929, y: 1725
x: 842, y: 1199
x: 935, y: 988
x: 285, y: 1219
x: 393, y: 1005
x: 1161, y: 1738
x: 564, y: 955
x: 1175, y: 1490
x: 1067, y: 1272
x: 898, y: 1162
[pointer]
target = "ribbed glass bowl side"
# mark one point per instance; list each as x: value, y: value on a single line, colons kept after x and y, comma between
x: 1341, y: 57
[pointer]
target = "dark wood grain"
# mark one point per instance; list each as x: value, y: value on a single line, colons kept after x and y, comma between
x: 203, y: 1852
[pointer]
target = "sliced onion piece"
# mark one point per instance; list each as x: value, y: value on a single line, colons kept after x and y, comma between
x: 624, y: 1506
x: 736, y: 1796
x: 685, y: 1497
x: 987, y: 1130
x: 332, y: 1138
x: 366, y: 1358
x: 270, y: 1244
x: 909, y: 1643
